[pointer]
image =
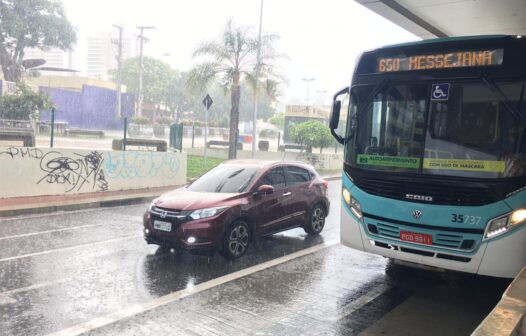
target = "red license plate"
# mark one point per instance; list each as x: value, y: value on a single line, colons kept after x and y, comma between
x: 420, y: 238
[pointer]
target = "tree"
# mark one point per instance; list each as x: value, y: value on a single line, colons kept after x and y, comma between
x: 233, y: 59
x: 156, y: 78
x: 175, y: 96
x: 30, y: 24
x: 23, y: 104
x: 311, y: 134
x: 278, y: 120
x: 246, y: 104
x: 162, y: 85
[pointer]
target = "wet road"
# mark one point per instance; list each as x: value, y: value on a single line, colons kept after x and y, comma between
x: 64, y: 269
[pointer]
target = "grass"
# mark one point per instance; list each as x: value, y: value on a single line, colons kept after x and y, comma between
x: 195, y: 165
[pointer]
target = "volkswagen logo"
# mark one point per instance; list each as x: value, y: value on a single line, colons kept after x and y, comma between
x: 417, y: 214
x: 163, y: 214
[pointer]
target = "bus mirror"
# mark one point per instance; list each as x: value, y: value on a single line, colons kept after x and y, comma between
x: 335, y: 114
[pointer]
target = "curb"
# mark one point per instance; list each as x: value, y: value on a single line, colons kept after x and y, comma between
x: 76, y: 206
x: 508, y: 317
x: 96, y: 200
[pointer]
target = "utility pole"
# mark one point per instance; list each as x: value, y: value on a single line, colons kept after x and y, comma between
x: 142, y: 39
x: 118, y: 109
x: 258, y: 65
x: 308, y: 80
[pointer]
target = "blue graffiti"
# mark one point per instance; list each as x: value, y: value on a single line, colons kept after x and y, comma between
x: 133, y: 165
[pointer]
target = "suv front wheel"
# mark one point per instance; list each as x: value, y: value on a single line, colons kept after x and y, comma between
x: 236, y: 240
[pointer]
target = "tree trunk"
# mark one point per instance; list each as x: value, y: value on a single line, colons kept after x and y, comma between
x: 12, y: 72
x: 234, y: 118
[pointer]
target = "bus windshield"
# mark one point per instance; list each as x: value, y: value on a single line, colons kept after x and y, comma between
x: 459, y: 128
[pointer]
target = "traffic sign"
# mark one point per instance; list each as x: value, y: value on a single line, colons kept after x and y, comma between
x: 207, y: 101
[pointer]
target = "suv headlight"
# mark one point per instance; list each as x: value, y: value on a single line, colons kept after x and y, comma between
x: 208, y: 212
x: 502, y: 224
x: 352, y: 203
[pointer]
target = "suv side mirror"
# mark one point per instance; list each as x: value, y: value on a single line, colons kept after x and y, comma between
x: 265, y: 190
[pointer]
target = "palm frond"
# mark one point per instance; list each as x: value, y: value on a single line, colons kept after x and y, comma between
x: 200, y: 75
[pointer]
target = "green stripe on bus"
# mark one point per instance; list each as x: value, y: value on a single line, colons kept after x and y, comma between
x: 388, y: 161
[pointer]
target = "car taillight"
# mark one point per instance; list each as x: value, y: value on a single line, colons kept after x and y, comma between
x: 325, y: 184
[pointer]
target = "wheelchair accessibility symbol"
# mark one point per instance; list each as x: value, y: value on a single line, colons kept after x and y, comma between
x: 440, y: 91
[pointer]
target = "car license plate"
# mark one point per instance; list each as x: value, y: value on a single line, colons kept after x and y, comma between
x: 420, y: 238
x: 162, y: 226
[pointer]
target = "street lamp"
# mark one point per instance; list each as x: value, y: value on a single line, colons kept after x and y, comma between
x: 308, y: 80
x: 258, y: 66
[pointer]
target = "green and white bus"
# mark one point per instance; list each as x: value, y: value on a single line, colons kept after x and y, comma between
x: 434, y: 168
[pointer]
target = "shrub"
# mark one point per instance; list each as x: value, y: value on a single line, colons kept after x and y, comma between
x: 23, y: 104
x: 311, y: 134
x: 165, y: 121
x: 141, y: 121
x: 278, y: 120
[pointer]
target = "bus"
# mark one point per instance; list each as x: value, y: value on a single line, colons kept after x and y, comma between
x: 434, y: 168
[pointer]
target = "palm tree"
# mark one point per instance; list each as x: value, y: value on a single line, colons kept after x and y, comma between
x: 233, y: 59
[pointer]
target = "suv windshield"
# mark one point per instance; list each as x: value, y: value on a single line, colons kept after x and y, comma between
x: 470, y: 131
x: 225, y: 179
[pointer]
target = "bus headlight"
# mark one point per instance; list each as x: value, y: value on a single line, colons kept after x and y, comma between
x: 500, y: 225
x: 352, y: 203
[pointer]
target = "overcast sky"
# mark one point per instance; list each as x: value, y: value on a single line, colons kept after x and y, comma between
x: 322, y: 38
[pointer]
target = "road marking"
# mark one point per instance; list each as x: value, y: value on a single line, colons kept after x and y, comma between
x: 172, y: 297
x: 50, y: 231
x: 70, y: 248
x: 4, y: 300
x: 36, y: 286
x: 361, y: 301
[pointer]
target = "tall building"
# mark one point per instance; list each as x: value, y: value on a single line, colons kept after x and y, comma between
x: 102, y: 51
x: 55, y: 58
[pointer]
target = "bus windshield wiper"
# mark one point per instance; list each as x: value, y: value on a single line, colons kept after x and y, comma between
x: 517, y: 113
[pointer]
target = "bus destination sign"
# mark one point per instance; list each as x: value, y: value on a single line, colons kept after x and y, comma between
x: 456, y: 59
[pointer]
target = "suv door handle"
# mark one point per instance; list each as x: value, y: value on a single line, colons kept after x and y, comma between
x: 287, y: 194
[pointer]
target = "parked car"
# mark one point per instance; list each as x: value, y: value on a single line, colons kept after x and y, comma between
x: 227, y: 207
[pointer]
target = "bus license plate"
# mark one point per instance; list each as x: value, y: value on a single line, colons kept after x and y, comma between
x: 162, y: 226
x: 419, y: 238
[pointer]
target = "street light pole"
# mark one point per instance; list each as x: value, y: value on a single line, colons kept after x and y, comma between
x: 256, y: 84
x: 308, y: 80
x: 118, y: 109
x: 141, y: 66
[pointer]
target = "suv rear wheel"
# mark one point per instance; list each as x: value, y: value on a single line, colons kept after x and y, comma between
x: 316, y: 220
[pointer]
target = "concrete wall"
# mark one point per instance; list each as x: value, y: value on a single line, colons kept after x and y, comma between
x: 37, y: 171
x: 326, y: 161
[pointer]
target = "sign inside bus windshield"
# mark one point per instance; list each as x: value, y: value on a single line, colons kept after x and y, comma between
x: 457, y: 59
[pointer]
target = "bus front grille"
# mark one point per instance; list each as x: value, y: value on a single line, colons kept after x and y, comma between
x: 459, y: 241
x: 443, y: 194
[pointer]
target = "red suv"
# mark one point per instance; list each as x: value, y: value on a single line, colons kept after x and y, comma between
x: 226, y: 208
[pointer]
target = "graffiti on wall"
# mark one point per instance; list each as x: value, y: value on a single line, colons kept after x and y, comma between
x: 22, y: 152
x: 75, y: 171
x: 133, y: 165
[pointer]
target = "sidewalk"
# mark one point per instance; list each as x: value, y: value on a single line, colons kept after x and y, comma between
x: 41, y: 204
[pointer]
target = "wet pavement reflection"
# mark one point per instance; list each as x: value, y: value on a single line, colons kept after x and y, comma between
x: 63, y: 269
